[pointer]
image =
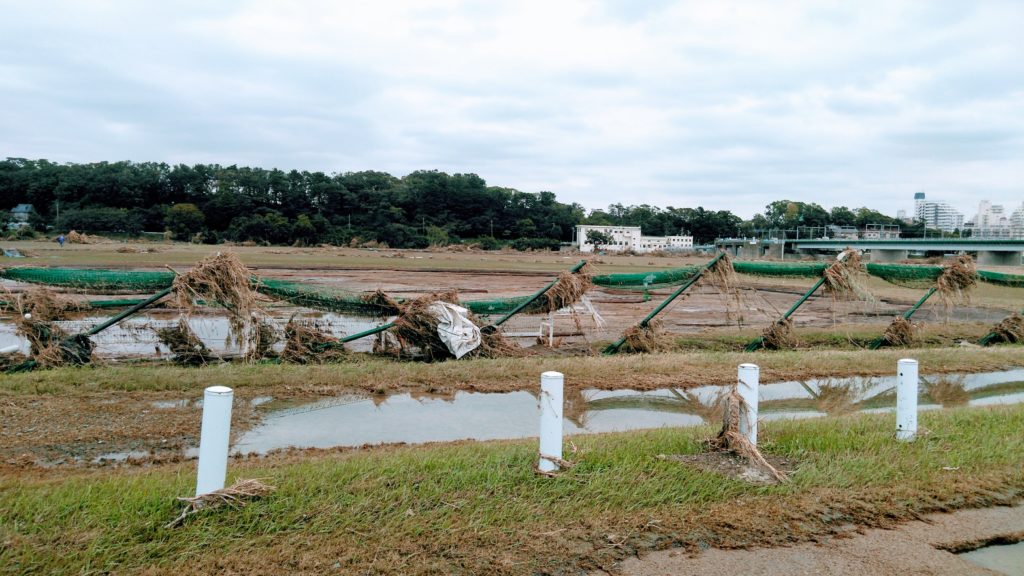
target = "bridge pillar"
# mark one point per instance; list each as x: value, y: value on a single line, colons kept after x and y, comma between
x: 878, y: 255
x: 991, y: 258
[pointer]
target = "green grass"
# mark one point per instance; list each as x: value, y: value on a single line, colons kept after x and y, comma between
x: 478, y: 507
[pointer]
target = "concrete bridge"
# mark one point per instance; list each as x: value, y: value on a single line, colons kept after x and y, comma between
x: 990, y: 252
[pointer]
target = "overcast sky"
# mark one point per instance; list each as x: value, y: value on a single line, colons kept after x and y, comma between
x: 728, y: 105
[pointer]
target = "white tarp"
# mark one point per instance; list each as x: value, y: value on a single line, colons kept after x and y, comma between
x: 457, y: 332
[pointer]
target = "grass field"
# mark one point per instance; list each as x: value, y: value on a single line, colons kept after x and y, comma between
x: 477, y: 508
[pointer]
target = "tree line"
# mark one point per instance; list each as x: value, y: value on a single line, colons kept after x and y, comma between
x: 212, y: 203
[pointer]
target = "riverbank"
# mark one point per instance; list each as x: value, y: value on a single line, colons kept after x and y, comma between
x: 478, y: 507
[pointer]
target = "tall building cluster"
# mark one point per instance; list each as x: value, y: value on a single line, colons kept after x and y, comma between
x: 994, y: 221
x: 939, y: 215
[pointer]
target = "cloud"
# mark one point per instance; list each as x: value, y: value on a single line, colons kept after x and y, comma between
x: 728, y: 105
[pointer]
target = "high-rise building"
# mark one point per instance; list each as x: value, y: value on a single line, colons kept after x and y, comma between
x: 937, y: 214
x: 990, y: 222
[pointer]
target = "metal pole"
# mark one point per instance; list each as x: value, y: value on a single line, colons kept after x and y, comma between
x: 114, y: 320
x: 878, y: 342
x: 531, y: 299
x: 614, y: 347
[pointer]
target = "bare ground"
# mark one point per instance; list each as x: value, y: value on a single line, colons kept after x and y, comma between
x: 918, y: 547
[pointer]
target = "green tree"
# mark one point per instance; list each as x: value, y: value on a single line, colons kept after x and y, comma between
x: 184, y: 220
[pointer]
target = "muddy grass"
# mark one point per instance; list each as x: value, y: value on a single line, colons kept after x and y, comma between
x: 477, y: 508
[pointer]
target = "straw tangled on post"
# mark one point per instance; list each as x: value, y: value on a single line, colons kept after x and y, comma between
x: 182, y: 341
x: 956, y: 280
x: 235, y: 496
x: 644, y: 339
x: 306, y: 343
x: 51, y: 347
x: 730, y: 439
x: 901, y: 332
x: 779, y: 335
x: 220, y: 279
x: 1009, y: 329
x: 568, y: 289
x: 845, y: 277
x: 385, y: 304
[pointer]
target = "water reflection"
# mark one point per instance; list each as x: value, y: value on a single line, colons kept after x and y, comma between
x: 447, y: 416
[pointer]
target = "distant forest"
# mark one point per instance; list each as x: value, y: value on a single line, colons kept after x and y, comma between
x: 211, y: 203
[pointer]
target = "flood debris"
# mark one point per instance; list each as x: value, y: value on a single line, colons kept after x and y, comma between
x: 224, y: 280
x: 51, y: 347
x: 385, y: 304
x: 730, y: 439
x: 1009, y: 330
x: 306, y: 343
x: 779, y: 336
x: 901, y: 332
x: 235, y: 496
x: 417, y: 331
x: 569, y: 288
x: 845, y: 278
x: 645, y: 339
x: 187, y: 348
x: 956, y: 281
x: 43, y: 304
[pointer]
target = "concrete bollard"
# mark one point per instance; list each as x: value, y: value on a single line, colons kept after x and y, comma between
x: 551, y: 404
x: 748, y: 377
x: 213, y: 439
x: 906, y: 399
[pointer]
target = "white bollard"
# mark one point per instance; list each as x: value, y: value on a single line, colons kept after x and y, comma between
x: 213, y: 439
x: 551, y: 400
x: 906, y: 399
x: 748, y: 377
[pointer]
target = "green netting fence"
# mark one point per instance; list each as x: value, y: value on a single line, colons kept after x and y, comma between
x: 96, y: 280
x: 337, y: 300
x: 644, y: 280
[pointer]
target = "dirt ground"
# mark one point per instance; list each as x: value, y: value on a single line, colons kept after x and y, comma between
x: 920, y: 547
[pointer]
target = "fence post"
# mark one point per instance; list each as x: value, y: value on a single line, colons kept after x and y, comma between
x: 551, y: 403
x: 748, y: 377
x: 213, y: 439
x: 906, y: 399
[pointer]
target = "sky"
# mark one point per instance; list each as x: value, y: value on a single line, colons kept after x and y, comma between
x: 727, y: 105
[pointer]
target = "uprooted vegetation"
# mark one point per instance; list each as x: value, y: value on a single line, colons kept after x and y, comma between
x: 306, y: 343
x: 956, y: 281
x: 187, y: 348
x: 900, y: 333
x: 416, y: 331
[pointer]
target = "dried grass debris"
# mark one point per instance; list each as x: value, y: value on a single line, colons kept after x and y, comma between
x: 956, y: 281
x: 568, y: 289
x: 11, y: 360
x: 235, y: 496
x: 416, y: 327
x: 51, y: 347
x: 1009, y: 330
x: 900, y: 332
x: 385, y: 304
x: 779, y: 336
x: 845, y: 278
x: 645, y: 339
x: 43, y: 304
x: 182, y: 341
x: 730, y: 439
x: 75, y: 237
x: 306, y: 343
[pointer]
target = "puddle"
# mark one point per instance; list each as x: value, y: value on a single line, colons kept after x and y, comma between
x: 119, y: 456
x: 1003, y: 558
x: 355, y: 421
x: 136, y: 336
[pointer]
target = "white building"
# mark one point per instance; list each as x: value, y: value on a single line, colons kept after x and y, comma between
x: 628, y: 238
x: 937, y: 214
x: 993, y: 222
